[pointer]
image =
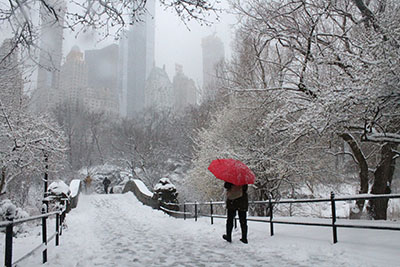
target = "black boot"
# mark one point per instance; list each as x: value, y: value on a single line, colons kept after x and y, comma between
x: 229, y: 228
x: 227, y: 238
x: 244, y: 234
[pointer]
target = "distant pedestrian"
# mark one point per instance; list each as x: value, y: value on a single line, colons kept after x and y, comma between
x: 87, y: 182
x: 106, y: 183
x: 236, y: 200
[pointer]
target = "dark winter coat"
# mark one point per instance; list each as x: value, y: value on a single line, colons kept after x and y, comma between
x: 241, y: 203
x: 106, y: 182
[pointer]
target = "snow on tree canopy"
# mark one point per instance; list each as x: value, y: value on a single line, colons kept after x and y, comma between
x: 59, y: 188
x: 8, y: 211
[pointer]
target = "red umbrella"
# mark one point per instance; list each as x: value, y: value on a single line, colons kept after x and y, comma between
x: 232, y: 171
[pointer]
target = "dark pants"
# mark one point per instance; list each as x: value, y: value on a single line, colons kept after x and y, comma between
x: 242, y: 220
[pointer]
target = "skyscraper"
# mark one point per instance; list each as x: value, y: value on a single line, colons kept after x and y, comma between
x: 159, y: 92
x: 90, y: 83
x: 11, y: 84
x: 213, y: 54
x: 51, y: 38
x: 73, y: 79
x: 136, y: 59
x: 103, y: 67
x: 184, y: 90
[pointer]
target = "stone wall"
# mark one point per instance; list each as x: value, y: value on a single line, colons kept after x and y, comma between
x: 131, y: 186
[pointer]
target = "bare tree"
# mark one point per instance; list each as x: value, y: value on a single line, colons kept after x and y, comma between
x: 144, y: 144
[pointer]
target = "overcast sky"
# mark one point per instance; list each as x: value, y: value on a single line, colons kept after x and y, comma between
x: 174, y: 42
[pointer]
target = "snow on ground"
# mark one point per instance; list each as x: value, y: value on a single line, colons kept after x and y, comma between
x: 117, y: 230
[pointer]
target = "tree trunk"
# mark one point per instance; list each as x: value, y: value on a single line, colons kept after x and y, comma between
x: 377, y: 208
x: 363, y: 166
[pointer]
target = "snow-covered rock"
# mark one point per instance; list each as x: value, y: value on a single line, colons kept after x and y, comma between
x: 59, y: 188
x: 165, y: 191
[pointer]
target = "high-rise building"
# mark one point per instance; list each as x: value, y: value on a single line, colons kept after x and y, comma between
x: 213, y: 54
x: 159, y: 93
x: 11, y: 83
x: 103, y: 67
x: 91, y: 84
x: 136, y: 57
x: 51, y: 38
x: 73, y: 77
x: 184, y: 90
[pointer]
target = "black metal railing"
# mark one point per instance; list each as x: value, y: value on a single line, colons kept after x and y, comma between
x: 194, y: 212
x: 9, y: 225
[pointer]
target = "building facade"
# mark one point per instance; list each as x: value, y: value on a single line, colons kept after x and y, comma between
x: 136, y: 59
x: 73, y: 77
x: 51, y: 38
x: 11, y: 81
x: 159, y: 91
x: 185, y: 90
x: 213, y: 54
x: 80, y: 84
x: 102, y: 65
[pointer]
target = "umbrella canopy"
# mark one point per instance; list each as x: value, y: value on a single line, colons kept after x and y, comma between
x: 232, y: 171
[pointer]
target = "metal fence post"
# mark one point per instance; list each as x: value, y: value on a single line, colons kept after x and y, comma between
x: 9, y: 244
x: 334, y: 228
x: 271, y: 216
x: 211, y: 210
x: 61, y: 222
x: 184, y: 211
x: 44, y: 233
x: 57, y: 229
x: 195, y: 211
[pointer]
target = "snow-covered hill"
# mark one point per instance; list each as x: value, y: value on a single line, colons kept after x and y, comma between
x: 117, y: 230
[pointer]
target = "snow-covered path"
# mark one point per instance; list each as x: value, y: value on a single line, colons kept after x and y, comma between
x: 117, y: 230
x: 120, y: 231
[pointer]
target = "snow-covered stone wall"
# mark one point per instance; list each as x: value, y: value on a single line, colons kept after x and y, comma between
x: 141, y: 192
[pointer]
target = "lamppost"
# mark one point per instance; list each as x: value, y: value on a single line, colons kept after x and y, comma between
x: 46, y: 174
x: 46, y: 181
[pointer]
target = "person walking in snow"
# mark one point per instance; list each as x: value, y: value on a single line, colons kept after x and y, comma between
x: 87, y: 181
x: 236, y: 200
x: 106, y: 183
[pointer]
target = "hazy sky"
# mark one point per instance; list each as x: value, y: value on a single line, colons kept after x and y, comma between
x: 174, y: 42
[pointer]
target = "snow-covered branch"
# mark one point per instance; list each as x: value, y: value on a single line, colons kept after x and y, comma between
x: 382, y: 137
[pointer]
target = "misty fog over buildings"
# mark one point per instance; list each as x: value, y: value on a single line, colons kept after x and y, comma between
x: 122, y: 77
